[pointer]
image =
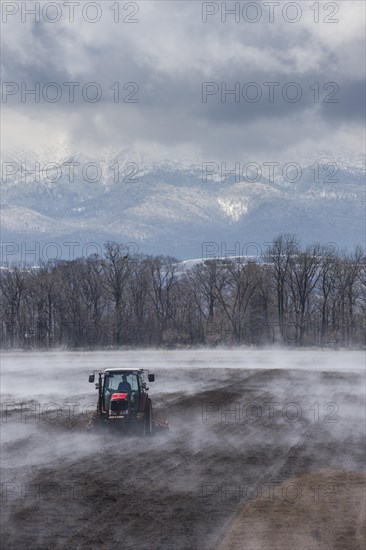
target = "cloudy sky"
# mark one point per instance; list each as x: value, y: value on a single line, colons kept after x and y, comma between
x: 168, y: 53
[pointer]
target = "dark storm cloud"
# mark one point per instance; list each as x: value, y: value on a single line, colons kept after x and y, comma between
x: 351, y: 105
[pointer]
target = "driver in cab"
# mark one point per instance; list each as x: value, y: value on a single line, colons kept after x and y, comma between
x: 124, y: 386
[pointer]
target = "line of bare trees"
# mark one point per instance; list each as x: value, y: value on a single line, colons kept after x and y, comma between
x: 293, y: 296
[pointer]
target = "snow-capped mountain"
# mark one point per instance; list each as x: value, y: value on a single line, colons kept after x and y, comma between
x: 176, y: 207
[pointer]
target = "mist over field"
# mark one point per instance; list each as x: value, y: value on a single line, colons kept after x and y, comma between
x: 242, y: 422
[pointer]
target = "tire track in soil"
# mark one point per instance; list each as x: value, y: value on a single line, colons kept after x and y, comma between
x: 233, y: 535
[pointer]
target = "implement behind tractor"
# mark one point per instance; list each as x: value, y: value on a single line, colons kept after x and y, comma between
x: 123, y: 402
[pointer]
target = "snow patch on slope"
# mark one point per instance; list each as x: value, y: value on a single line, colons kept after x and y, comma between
x: 233, y: 208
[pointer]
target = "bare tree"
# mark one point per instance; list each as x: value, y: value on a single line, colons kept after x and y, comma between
x: 42, y: 302
x: 13, y: 284
x: 303, y: 276
x: 236, y: 294
x: 118, y: 268
x: 207, y: 281
x: 327, y: 285
x: 163, y: 278
x: 93, y: 297
x: 278, y: 256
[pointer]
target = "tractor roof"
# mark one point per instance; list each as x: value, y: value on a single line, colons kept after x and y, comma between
x: 122, y: 369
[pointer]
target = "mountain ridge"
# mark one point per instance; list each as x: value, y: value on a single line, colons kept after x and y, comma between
x: 170, y: 208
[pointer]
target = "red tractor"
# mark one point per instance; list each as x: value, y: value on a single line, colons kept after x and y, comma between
x: 123, y: 402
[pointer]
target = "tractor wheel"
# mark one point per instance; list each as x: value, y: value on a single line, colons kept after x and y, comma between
x: 148, y: 419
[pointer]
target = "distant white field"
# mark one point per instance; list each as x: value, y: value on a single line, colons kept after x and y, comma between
x: 59, y: 372
x: 269, y: 358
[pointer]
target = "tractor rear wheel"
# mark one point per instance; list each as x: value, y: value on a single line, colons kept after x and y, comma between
x: 148, y: 419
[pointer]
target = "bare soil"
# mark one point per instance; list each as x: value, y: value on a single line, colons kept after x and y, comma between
x: 220, y: 478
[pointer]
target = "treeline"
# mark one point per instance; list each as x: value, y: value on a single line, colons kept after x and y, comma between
x: 293, y: 296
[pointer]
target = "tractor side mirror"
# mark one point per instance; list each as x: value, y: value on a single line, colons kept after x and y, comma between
x: 91, y: 378
x: 151, y: 377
